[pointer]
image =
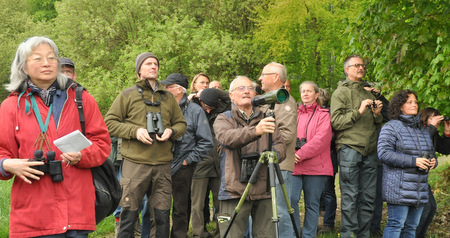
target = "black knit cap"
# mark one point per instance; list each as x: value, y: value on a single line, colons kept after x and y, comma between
x: 176, y: 78
x: 140, y: 59
x: 210, y: 96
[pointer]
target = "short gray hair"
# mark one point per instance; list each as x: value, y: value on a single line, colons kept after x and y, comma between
x: 280, y: 70
x: 234, y: 80
x: 18, y: 77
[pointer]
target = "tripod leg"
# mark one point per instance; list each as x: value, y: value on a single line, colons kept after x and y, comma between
x: 273, y: 192
x: 251, y: 181
x: 286, y: 198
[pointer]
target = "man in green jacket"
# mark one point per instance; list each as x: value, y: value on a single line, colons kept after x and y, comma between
x: 355, y: 116
x: 136, y: 116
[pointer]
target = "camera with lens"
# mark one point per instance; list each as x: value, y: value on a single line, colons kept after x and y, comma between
x: 299, y: 143
x: 154, y: 123
x: 428, y: 156
x: 446, y: 118
x: 248, y: 164
x: 50, y: 166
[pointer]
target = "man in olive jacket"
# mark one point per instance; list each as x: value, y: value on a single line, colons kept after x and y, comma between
x: 147, y: 156
x: 355, y: 116
x: 241, y: 133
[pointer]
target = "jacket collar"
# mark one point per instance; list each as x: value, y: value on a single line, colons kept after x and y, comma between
x: 307, y: 108
x: 410, y: 120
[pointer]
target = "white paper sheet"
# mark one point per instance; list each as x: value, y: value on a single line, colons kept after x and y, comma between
x: 72, y: 142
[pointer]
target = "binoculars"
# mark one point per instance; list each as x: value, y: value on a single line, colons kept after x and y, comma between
x: 429, y: 156
x: 50, y: 166
x: 154, y: 123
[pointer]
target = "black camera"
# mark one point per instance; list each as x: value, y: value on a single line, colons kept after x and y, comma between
x: 428, y: 156
x: 50, y: 166
x: 299, y: 143
x: 154, y: 123
x: 248, y: 164
x: 446, y: 118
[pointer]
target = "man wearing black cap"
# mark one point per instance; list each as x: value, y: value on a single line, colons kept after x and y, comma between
x: 188, y: 151
x: 136, y: 116
x: 68, y: 68
x: 207, y: 172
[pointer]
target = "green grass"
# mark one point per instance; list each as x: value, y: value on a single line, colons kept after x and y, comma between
x: 5, y: 201
x: 439, y: 180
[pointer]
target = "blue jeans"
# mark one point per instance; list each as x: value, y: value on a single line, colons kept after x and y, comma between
x: 285, y: 228
x: 402, y: 221
x: 313, y: 186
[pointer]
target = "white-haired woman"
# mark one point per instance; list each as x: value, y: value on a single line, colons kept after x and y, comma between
x: 40, y: 109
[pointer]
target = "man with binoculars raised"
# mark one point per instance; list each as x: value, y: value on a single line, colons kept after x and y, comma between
x: 243, y: 134
x: 135, y: 116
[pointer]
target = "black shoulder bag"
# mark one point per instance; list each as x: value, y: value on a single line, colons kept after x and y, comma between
x: 107, y: 188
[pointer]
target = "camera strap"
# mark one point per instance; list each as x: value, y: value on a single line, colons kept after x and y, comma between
x: 307, y: 125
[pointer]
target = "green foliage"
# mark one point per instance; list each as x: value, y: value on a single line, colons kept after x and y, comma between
x: 306, y: 36
x: 15, y: 25
x: 104, y: 39
x: 42, y: 9
x: 5, y: 201
x: 439, y: 180
x: 406, y: 45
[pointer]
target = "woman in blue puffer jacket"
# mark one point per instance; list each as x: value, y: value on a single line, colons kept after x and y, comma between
x: 407, y: 153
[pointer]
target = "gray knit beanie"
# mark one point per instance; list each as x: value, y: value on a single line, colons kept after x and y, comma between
x: 140, y: 59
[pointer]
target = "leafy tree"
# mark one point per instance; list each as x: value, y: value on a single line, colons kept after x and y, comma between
x: 407, y: 46
x: 42, y: 9
x: 105, y: 38
x: 306, y: 36
x: 16, y: 25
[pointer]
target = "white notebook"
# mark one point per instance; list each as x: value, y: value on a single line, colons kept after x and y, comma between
x: 72, y: 142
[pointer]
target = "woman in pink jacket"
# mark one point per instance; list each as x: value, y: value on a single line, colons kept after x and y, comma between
x: 58, y: 199
x: 312, y: 157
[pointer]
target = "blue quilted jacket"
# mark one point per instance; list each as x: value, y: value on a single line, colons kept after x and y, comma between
x: 401, y: 141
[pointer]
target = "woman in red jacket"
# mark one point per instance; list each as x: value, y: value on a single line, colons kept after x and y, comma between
x: 312, y: 157
x: 40, y: 109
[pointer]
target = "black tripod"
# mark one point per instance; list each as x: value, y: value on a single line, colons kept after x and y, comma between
x: 269, y: 157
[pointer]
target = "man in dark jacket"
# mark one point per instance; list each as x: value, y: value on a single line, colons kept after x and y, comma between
x: 207, y: 172
x: 241, y: 133
x: 195, y: 144
x: 147, y: 154
x: 356, y: 118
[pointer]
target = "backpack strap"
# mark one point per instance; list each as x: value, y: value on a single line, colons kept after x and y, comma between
x: 79, y: 102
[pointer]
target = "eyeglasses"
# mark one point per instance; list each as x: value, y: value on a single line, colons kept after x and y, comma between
x: 358, y: 65
x: 41, y: 60
x: 242, y: 88
x: 264, y: 74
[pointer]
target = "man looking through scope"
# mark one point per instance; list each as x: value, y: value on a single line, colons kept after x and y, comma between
x: 273, y: 77
x: 243, y: 134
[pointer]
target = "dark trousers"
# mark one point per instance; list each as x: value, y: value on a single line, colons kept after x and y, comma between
x: 181, y: 193
x: 358, y: 180
x: 329, y: 200
x: 375, y: 225
x: 427, y: 215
